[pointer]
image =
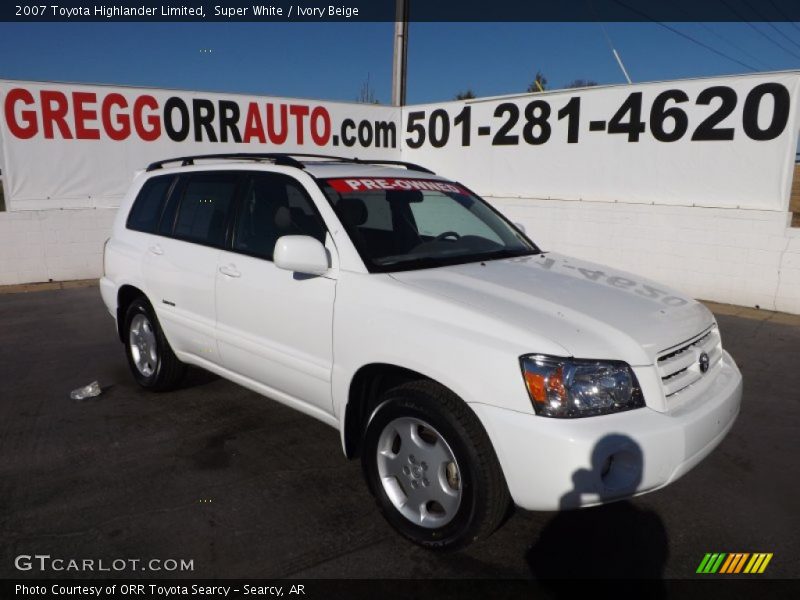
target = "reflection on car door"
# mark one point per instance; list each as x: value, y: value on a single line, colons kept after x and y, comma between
x: 180, y: 267
x: 275, y: 326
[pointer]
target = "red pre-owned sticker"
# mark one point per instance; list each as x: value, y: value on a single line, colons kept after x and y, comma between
x: 376, y: 184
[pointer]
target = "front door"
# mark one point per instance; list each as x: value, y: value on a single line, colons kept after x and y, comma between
x: 275, y: 326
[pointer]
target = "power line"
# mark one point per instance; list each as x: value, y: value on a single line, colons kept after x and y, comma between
x: 783, y: 34
x: 783, y: 14
x: 764, y: 19
x: 721, y: 37
x: 761, y: 33
x: 771, y: 40
x: 732, y: 45
x: 688, y: 37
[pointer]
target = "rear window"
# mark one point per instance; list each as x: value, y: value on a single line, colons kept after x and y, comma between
x: 204, y: 207
x: 146, y: 210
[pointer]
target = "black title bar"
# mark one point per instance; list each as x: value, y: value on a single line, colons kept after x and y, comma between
x: 384, y: 10
x: 746, y: 588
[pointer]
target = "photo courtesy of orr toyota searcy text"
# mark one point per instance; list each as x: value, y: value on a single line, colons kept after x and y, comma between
x: 139, y: 590
x: 116, y: 116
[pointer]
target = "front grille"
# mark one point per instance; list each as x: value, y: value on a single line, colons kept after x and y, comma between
x: 680, y: 367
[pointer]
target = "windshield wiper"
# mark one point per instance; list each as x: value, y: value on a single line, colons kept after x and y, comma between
x: 411, y: 262
x: 506, y: 253
x: 427, y: 262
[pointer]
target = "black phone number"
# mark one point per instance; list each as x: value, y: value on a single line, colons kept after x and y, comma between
x: 667, y: 120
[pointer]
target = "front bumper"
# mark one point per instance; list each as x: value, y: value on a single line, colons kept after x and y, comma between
x: 552, y: 464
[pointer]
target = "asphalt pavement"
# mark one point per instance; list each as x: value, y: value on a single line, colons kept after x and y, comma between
x: 245, y: 487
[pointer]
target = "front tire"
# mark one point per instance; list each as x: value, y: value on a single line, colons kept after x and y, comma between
x: 432, y: 469
x: 150, y: 357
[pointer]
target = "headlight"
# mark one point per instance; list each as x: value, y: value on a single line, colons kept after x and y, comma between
x: 569, y: 388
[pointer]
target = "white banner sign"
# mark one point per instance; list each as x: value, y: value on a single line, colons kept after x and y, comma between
x: 71, y: 145
x: 721, y: 142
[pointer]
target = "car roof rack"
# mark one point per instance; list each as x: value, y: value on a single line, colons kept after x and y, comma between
x: 366, y: 161
x: 408, y: 165
x: 277, y: 157
x: 283, y: 159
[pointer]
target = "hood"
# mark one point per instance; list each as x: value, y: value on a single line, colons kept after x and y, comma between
x: 590, y: 310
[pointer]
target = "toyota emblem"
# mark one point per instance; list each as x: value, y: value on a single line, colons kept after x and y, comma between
x: 704, y: 362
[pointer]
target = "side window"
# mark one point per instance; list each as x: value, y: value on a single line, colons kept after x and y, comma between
x: 146, y: 209
x: 204, y: 206
x: 274, y: 205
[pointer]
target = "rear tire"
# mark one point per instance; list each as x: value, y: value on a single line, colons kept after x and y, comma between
x: 432, y: 469
x: 150, y: 357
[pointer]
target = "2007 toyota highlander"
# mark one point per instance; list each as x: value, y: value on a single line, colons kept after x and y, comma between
x: 465, y: 366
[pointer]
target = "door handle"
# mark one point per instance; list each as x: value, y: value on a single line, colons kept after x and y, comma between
x: 230, y: 271
x: 156, y: 249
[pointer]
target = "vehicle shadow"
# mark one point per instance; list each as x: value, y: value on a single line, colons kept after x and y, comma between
x: 613, y: 541
x: 196, y: 377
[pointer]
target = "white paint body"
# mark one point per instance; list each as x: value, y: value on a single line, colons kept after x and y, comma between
x: 301, y: 340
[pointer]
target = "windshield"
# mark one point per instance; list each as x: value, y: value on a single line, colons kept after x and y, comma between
x: 403, y: 224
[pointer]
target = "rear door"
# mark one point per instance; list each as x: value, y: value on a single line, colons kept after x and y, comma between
x: 275, y: 326
x: 180, y: 265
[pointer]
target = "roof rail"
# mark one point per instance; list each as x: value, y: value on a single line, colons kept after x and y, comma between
x: 284, y: 159
x: 408, y: 165
x: 278, y: 158
x: 365, y: 161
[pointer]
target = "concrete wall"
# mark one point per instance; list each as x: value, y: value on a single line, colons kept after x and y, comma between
x: 745, y: 257
x: 44, y: 245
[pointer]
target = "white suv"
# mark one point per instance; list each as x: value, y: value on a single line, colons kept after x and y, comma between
x: 466, y: 367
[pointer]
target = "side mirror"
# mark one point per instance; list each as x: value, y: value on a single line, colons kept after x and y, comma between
x: 520, y: 226
x: 301, y: 254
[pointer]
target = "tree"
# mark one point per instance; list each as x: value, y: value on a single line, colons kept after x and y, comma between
x: 467, y: 94
x: 539, y: 83
x: 366, y: 94
x: 579, y: 83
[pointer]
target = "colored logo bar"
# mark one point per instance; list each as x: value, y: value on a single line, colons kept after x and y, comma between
x: 734, y: 562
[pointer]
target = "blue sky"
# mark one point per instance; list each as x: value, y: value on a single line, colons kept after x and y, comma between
x: 332, y: 60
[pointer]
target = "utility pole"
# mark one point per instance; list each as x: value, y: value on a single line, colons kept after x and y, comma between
x: 400, y: 62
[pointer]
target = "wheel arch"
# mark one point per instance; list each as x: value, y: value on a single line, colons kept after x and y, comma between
x: 125, y: 296
x: 367, y: 385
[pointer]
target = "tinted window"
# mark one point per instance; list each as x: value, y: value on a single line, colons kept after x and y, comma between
x: 379, y: 215
x: 170, y: 208
x: 272, y: 206
x: 204, y: 206
x: 147, y: 207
